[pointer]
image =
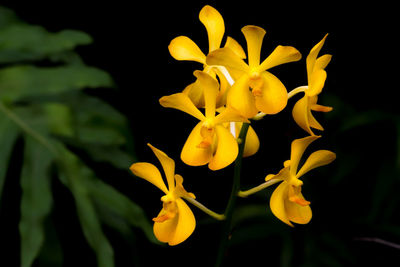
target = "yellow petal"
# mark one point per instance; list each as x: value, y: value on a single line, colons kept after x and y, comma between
x: 316, y: 82
x: 193, y: 155
x: 235, y: 47
x: 312, y: 56
x: 321, y: 108
x: 277, y: 202
x: 168, y: 165
x: 226, y: 151
x: 164, y: 231
x: 195, y: 93
x: 229, y: 114
x: 298, y: 213
x: 214, y: 24
x: 271, y: 97
x: 322, y: 61
x: 297, y: 149
x: 150, y: 173
x: 210, y: 90
x: 313, y: 106
x: 281, y: 55
x: 186, y: 223
x: 301, y: 112
x: 182, y: 102
x: 223, y: 88
x: 254, y: 37
x: 183, y: 48
x: 283, y: 174
x: 240, y: 98
x: 252, y: 143
x: 227, y: 58
x: 180, y: 189
x: 315, y: 160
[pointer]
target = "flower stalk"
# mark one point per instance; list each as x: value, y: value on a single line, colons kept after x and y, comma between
x: 232, y: 199
x: 194, y: 202
x: 258, y: 188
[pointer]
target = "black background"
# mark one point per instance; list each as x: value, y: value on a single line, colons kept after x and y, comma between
x: 130, y: 42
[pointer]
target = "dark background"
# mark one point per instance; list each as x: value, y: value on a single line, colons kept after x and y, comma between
x: 130, y: 42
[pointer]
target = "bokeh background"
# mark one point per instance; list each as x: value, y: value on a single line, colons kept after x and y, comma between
x: 355, y: 199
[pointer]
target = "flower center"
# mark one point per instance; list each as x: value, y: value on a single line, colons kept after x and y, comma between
x: 207, y: 133
x: 254, y: 75
x: 296, y: 197
x: 169, y: 210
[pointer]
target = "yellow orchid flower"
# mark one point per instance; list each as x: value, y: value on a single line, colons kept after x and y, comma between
x: 209, y: 142
x: 287, y: 203
x: 183, y: 48
x: 316, y: 76
x: 268, y: 94
x: 175, y: 222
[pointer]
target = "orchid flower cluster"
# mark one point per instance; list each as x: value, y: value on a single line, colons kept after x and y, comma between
x: 225, y: 97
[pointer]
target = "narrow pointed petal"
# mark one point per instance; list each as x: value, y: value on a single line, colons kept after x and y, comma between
x: 210, y: 90
x: 168, y: 165
x: 240, y: 98
x: 298, y: 213
x: 322, y: 61
x: 254, y: 37
x: 281, y: 55
x: 297, y: 149
x: 321, y: 108
x: 283, y: 174
x: 235, y: 47
x: 195, y: 93
x: 313, y: 122
x: 300, y: 114
x: 315, y: 160
x: 312, y: 56
x: 193, y: 155
x: 229, y: 114
x: 227, y: 58
x: 272, y: 96
x: 277, y: 203
x: 183, y: 48
x: 313, y: 106
x: 181, y: 102
x: 180, y: 189
x: 150, y: 173
x: 214, y: 24
x: 165, y: 231
x: 185, y: 225
x: 316, y: 82
x: 226, y: 151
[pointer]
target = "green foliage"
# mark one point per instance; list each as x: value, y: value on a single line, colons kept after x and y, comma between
x: 47, y: 108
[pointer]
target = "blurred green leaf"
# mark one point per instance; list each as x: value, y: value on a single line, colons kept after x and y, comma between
x: 48, y: 108
x: 36, y: 199
x: 364, y: 118
x: 7, y: 17
x: 23, y: 42
x: 59, y: 118
x: 21, y: 81
x: 115, y: 156
x: 8, y: 135
x: 51, y: 253
x: 119, y: 205
x: 75, y: 174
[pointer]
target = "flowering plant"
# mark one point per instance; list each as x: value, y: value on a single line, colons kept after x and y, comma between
x: 234, y: 94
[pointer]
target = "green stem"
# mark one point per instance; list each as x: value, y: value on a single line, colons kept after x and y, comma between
x: 232, y: 199
x: 217, y: 216
x: 258, y: 188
